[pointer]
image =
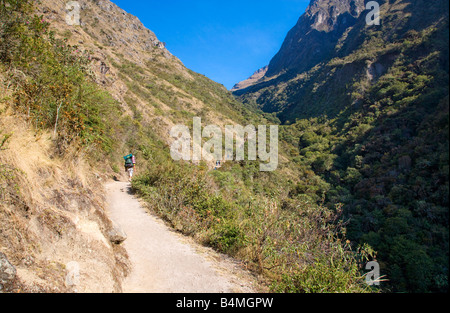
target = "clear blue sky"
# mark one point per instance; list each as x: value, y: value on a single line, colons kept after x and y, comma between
x: 224, y: 40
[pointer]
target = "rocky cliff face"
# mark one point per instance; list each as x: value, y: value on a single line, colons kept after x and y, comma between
x: 315, y: 35
x: 332, y: 57
x: 312, y: 39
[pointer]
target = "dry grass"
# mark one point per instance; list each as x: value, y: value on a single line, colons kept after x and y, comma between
x: 52, y: 212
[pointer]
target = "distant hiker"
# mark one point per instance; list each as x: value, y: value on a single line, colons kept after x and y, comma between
x: 130, y: 165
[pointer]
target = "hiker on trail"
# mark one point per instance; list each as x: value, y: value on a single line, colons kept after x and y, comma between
x: 130, y: 165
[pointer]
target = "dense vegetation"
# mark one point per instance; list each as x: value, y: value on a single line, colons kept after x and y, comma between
x: 297, y: 244
x: 372, y: 121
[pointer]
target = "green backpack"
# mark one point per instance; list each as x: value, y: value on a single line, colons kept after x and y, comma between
x: 128, y: 160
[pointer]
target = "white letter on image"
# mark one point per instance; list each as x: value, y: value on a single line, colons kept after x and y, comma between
x: 372, y: 278
x: 182, y: 143
x: 373, y: 17
x: 73, y: 13
x: 215, y: 142
x: 240, y: 132
x: 197, y: 144
x: 272, y: 155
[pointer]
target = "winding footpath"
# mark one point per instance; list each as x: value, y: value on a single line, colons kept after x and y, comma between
x: 164, y: 261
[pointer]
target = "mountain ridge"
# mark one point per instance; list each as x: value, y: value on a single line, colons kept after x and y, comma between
x: 312, y: 38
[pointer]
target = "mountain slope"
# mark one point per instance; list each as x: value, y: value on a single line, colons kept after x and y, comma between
x: 137, y: 69
x: 251, y: 80
x: 315, y: 35
x: 371, y: 117
x: 303, y: 82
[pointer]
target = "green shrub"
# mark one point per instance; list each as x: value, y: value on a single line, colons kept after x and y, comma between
x: 291, y: 242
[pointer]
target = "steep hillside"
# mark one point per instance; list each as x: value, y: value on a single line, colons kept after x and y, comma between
x: 315, y: 35
x: 96, y: 91
x: 370, y: 113
x: 52, y: 215
x: 54, y: 233
x: 331, y: 57
x: 152, y: 85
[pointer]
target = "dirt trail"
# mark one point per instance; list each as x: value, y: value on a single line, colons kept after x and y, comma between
x: 164, y: 261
